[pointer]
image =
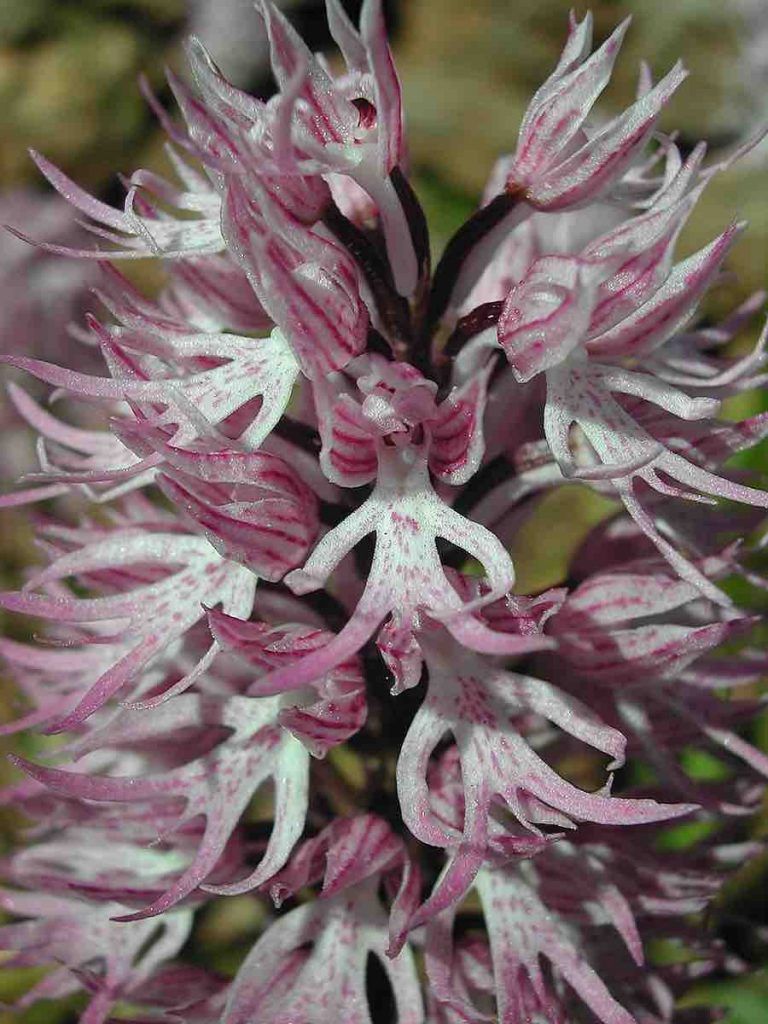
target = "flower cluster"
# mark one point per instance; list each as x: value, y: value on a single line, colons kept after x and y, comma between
x: 314, y: 447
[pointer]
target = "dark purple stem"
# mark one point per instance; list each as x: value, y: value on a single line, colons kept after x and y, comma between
x: 473, y: 323
x: 393, y: 308
x: 469, y: 235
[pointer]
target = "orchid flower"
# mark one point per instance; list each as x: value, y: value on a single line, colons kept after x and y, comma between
x: 559, y: 299
x: 281, y: 979
x: 479, y: 704
x: 143, y: 228
x: 280, y: 620
x: 520, y: 932
x: 154, y: 614
x: 218, y: 786
x: 89, y: 949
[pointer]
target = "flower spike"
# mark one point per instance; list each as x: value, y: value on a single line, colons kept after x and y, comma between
x: 289, y: 486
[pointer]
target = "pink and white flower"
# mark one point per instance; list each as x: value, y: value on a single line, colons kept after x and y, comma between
x: 312, y: 456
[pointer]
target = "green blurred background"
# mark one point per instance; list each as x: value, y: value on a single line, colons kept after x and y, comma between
x: 68, y: 87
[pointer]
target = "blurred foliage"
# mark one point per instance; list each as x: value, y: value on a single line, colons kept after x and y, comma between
x: 68, y: 74
x: 745, y: 999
